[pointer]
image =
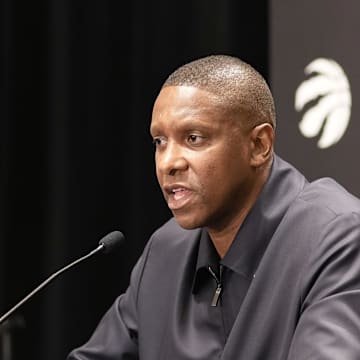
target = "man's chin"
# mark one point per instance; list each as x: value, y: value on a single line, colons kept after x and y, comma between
x: 187, y: 223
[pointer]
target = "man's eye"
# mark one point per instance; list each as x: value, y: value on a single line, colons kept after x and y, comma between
x: 158, y: 141
x: 194, y: 139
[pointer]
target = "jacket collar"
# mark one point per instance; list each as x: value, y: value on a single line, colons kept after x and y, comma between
x: 281, y: 188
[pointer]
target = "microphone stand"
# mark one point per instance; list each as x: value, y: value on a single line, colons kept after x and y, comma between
x: 6, y: 329
x: 7, y: 323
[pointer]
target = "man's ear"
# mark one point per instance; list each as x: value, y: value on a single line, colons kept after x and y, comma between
x: 262, y: 140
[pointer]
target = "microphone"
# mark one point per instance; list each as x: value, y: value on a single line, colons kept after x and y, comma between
x: 107, y: 244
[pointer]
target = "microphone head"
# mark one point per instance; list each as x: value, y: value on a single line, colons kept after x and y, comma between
x: 112, y: 241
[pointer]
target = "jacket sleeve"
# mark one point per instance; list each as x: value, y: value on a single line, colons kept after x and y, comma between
x: 329, y: 323
x: 116, y: 336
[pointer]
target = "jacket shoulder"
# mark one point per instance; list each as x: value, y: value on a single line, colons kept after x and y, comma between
x: 329, y: 195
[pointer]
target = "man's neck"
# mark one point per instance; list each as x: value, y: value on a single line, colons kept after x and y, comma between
x: 223, y: 236
x: 223, y: 239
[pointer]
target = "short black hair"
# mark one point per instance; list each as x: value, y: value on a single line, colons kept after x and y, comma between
x: 236, y: 82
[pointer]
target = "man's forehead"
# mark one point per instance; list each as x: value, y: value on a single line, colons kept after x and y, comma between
x: 180, y: 98
x: 186, y: 92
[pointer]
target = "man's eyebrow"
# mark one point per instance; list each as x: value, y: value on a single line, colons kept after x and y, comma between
x: 153, y: 130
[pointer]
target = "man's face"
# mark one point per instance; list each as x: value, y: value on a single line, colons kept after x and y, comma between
x: 202, y: 158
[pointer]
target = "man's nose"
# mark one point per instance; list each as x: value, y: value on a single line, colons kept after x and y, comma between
x: 171, y: 159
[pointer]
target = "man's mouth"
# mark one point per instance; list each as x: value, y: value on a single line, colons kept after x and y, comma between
x: 177, y: 196
x: 178, y: 193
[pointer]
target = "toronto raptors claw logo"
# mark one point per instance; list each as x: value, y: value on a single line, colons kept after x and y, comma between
x: 325, y: 100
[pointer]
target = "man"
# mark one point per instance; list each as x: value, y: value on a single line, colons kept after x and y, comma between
x: 257, y: 263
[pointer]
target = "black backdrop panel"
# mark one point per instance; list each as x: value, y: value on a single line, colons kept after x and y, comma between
x: 77, y: 82
x: 303, y: 32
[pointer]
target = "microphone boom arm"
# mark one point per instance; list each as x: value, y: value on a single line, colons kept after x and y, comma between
x: 49, y: 279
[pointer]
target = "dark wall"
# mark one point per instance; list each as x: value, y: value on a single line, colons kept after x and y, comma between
x: 301, y: 33
x: 78, y: 79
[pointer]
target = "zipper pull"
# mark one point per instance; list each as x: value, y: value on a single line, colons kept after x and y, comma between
x: 216, y: 297
x: 218, y: 289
